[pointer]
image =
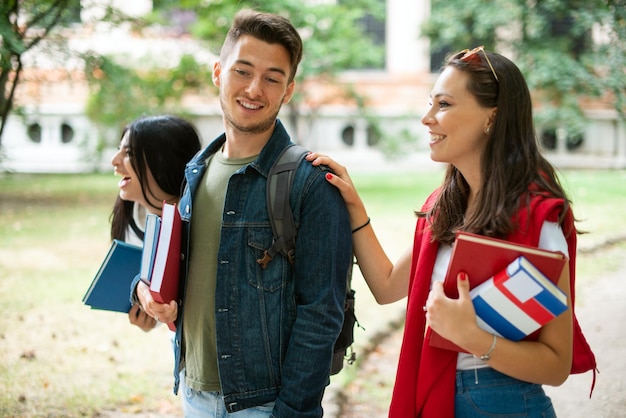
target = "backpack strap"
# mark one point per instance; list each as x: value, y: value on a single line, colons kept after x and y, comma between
x: 278, y: 191
x: 279, y: 182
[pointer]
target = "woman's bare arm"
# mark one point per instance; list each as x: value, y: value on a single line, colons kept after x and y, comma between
x: 387, y: 282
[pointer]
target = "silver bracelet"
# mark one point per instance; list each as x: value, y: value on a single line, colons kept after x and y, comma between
x: 487, y: 355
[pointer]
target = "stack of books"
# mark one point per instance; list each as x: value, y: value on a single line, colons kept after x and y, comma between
x: 158, y: 264
x: 161, y: 256
x: 512, y: 286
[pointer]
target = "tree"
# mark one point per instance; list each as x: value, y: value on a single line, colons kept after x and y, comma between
x: 333, y: 36
x: 23, y: 25
x: 552, y: 44
x: 39, y: 27
x: 119, y: 94
x: 115, y: 87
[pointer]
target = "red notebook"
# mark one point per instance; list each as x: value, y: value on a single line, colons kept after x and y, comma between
x: 481, y: 258
x: 164, y: 282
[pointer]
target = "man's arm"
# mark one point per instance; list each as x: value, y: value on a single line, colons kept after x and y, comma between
x: 323, y: 256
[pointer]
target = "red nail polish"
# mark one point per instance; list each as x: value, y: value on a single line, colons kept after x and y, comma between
x: 463, y: 276
x: 329, y: 176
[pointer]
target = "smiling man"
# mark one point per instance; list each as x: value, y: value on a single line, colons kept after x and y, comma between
x: 256, y: 341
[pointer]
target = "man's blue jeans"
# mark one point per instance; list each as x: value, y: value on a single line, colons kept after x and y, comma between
x: 211, y: 405
x: 499, y: 395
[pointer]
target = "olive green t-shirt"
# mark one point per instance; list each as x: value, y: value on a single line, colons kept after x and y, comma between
x: 201, y: 372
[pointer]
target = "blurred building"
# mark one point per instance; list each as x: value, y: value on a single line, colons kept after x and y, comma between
x: 52, y: 133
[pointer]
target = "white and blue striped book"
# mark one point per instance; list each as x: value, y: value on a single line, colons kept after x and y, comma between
x: 517, y: 301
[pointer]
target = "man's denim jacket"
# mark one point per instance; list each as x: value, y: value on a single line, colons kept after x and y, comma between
x: 275, y: 327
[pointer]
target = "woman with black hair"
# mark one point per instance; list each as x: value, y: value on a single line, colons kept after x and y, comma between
x: 151, y: 160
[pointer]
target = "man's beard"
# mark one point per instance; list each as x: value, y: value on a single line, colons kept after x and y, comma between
x: 257, y: 128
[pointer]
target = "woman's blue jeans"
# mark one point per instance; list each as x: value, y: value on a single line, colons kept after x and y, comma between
x: 499, y: 395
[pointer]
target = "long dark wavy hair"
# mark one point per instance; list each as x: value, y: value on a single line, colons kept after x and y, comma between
x: 163, y: 144
x: 511, y: 160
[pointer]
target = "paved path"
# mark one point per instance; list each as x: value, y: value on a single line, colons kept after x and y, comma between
x: 602, y: 316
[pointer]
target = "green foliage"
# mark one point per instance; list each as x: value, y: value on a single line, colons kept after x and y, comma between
x: 551, y: 43
x: 23, y: 25
x: 397, y: 145
x: 120, y: 94
x: 455, y: 25
x: 333, y: 35
x: 393, y: 145
x: 326, y: 30
x: 611, y: 56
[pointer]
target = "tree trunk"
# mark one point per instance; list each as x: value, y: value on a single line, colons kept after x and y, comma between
x: 6, y: 100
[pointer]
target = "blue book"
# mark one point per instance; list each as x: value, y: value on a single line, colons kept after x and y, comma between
x: 110, y: 288
x: 150, y: 242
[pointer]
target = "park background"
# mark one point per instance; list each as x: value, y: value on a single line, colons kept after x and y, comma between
x: 59, y: 358
x: 74, y: 72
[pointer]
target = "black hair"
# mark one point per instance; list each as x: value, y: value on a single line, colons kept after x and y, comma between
x: 163, y: 145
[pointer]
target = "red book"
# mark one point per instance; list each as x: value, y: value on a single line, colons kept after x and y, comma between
x: 164, y: 282
x: 483, y: 257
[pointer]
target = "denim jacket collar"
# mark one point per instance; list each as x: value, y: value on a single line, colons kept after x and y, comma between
x: 275, y: 144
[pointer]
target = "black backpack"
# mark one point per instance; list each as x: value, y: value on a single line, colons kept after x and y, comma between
x: 279, y: 182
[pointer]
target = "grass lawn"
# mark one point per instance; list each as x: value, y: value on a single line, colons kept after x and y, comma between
x: 59, y: 358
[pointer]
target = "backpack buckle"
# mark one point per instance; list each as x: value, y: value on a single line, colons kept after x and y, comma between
x: 264, y: 260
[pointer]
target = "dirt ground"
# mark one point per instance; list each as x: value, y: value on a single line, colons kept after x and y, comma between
x: 601, y: 311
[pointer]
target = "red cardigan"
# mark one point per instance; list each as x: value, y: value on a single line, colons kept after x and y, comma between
x: 425, y: 380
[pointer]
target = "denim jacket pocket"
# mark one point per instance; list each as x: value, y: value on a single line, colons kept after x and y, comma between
x: 273, y: 277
